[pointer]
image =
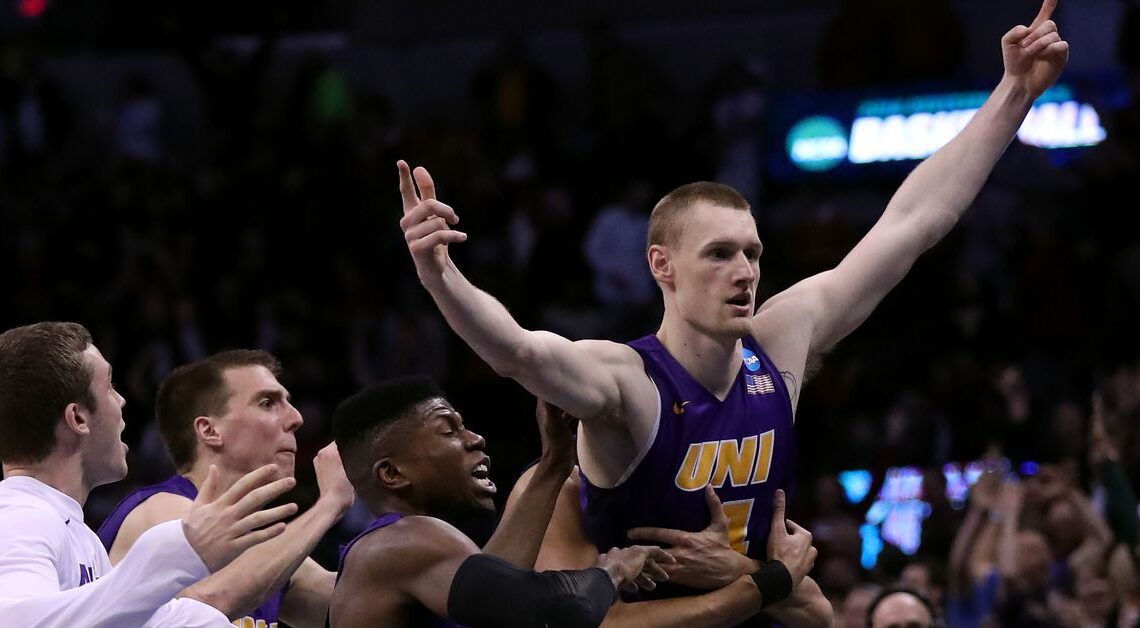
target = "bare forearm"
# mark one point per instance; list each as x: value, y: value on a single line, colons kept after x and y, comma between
x: 806, y: 607
x: 245, y: 583
x: 306, y: 604
x: 547, y: 365
x: 725, y: 607
x: 942, y: 187
x: 480, y: 319
x: 518, y: 537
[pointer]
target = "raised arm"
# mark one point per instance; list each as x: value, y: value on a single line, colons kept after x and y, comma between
x: 519, y: 535
x: 821, y: 310
x: 581, y: 377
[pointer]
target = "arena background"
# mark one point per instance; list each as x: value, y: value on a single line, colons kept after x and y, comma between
x: 188, y: 177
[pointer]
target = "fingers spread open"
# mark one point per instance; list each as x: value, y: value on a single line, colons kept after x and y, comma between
x: 260, y: 536
x: 262, y: 518
x: 260, y: 496
x: 247, y: 483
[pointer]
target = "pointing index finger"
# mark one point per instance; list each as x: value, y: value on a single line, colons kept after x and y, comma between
x: 1045, y: 13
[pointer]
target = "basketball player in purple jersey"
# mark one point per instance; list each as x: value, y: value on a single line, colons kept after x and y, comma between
x: 710, y: 398
x: 60, y: 425
x: 229, y: 411
x: 418, y: 468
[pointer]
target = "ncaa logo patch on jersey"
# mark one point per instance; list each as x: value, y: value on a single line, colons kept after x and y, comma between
x: 759, y: 384
x: 751, y: 360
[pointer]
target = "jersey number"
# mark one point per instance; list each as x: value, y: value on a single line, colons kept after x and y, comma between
x: 739, y: 513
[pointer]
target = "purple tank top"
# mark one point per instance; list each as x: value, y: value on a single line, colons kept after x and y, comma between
x: 384, y: 521
x: 179, y: 485
x: 743, y: 446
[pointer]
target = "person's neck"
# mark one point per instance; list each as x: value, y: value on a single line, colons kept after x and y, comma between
x: 63, y: 473
x: 388, y: 504
x: 711, y: 361
x: 227, y: 476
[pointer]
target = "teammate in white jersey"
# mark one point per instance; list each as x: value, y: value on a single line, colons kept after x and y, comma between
x: 60, y: 426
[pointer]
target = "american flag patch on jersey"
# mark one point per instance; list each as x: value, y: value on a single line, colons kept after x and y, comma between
x: 759, y: 384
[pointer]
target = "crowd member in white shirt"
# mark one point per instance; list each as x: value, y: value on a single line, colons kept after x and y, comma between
x: 60, y: 426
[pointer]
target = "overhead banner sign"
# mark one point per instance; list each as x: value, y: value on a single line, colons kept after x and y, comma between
x: 845, y: 134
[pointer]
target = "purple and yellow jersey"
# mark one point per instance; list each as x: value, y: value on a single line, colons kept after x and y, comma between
x: 743, y: 446
x: 384, y: 521
x: 264, y: 616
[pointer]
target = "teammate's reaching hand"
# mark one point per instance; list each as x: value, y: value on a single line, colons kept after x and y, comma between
x: 220, y: 527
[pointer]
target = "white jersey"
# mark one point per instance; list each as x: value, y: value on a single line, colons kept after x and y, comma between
x: 55, y: 572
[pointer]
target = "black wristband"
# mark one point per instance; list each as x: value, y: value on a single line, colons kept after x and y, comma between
x: 774, y: 582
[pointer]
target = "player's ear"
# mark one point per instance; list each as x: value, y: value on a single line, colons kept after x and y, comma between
x: 659, y: 263
x: 389, y: 474
x: 206, y: 431
x: 75, y: 418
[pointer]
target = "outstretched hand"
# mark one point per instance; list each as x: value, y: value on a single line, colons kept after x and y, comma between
x: 705, y: 559
x: 222, y: 525
x: 426, y: 222
x: 635, y: 567
x: 1034, y: 55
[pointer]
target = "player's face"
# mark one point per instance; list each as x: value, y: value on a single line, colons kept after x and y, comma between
x: 106, y: 458
x: 447, y: 463
x: 260, y: 424
x: 716, y: 267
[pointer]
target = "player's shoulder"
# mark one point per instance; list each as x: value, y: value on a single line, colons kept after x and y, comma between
x: 23, y: 515
x: 410, y: 544
x: 158, y: 508
x: 152, y: 511
x: 615, y: 353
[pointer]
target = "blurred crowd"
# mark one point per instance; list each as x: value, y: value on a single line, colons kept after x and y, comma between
x: 279, y: 231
